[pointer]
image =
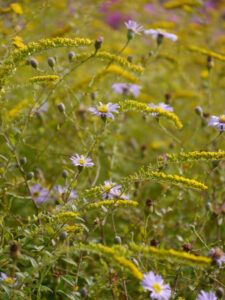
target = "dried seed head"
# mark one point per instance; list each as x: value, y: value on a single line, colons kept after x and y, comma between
x: 117, y: 240
x: 23, y: 160
x: 65, y: 174
x: 30, y: 175
x: 61, y: 107
x: 187, y: 247
x: 154, y: 243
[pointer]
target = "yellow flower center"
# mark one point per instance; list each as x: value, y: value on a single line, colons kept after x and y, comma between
x: 36, y: 194
x: 157, y: 288
x: 107, y: 187
x: 103, y: 109
x: 10, y: 280
x: 222, y: 119
x: 81, y: 161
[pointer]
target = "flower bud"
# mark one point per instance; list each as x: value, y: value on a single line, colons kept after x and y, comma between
x: 33, y: 63
x: 23, y: 160
x: 98, y: 42
x: 71, y: 55
x: 159, y: 39
x: 14, y: 250
x: 63, y: 236
x: 93, y: 95
x: 83, y: 292
x: 208, y: 206
x: 167, y: 98
x: 117, y: 240
x: 61, y: 107
x: 30, y: 175
x: 210, y: 62
x: 65, y: 174
x: 199, y: 111
x: 130, y: 58
x: 51, y: 62
x: 220, y: 292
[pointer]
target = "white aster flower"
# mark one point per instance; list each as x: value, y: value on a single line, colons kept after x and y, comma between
x: 218, y: 122
x: 124, y: 88
x: 133, y: 27
x: 60, y: 192
x: 82, y: 161
x: 206, y: 296
x: 161, y: 105
x: 155, y: 284
x: 105, y: 110
x: 217, y: 255
x: 160, y: 33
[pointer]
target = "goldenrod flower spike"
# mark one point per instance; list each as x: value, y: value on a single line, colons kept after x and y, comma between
x: 113, y: 203
x: 142, y: 107
x: 44, y: 79
x: 193, y: 156
x: 207, y: 53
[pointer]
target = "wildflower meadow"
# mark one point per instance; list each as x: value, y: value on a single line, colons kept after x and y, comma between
x: 112, y: 149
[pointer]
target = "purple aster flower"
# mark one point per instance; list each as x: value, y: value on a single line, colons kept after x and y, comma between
x: 39, y: 194
x: 218, y: 122
x: 206, y: 296
x: 133, y: 27
x: 161, y: 105
x: 217, y: 255
x: 124, y: 88
x: 60, y: 192
x: 110, y: 189
x: 156, y: 33
x: 82, y: 161
x: 155, y: 284
x: 6, y: 278
x: 105, y: 110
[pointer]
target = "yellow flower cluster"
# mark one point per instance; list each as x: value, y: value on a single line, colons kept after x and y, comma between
x: 17, y: 42
x: 175, y: 179
x: 44, y: 79
x: 14, y: 7
x: 194, y: 156
x: 116, y: 70
x: 184, y: 94
x: 180, y: 3
x: 15, y: 110
x: 113, y: 255
x: 66, y: 215
x: 113, y: 202
x: 73, y: 228
x: 181, y: 257
x: 104, y: 55
x: 10, y: 64
x: 207, y: 53
x: 142, y: 107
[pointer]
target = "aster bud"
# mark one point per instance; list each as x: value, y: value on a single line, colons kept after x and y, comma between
x: 149, y: 202
x: 199, y: 111
x: 210, y: 62
x: 93, y: 95
x: 83, y: 292
x: 63, y: 236
x: 130, y: 58
x: 23, y: 160
x: 159, y: 39
x: 117, y: 240
x: 30, y: 175
x: 61, y: 107
x: 51, y: 62
x: 209, y: 206
x: 33, y: 63
x: 187, y: 247
x: 220, y: 293
x: 98, y: 42
x: 65, y: 174
x: 167, y: 98
x: 14, y: 250
x: 71, y: 55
